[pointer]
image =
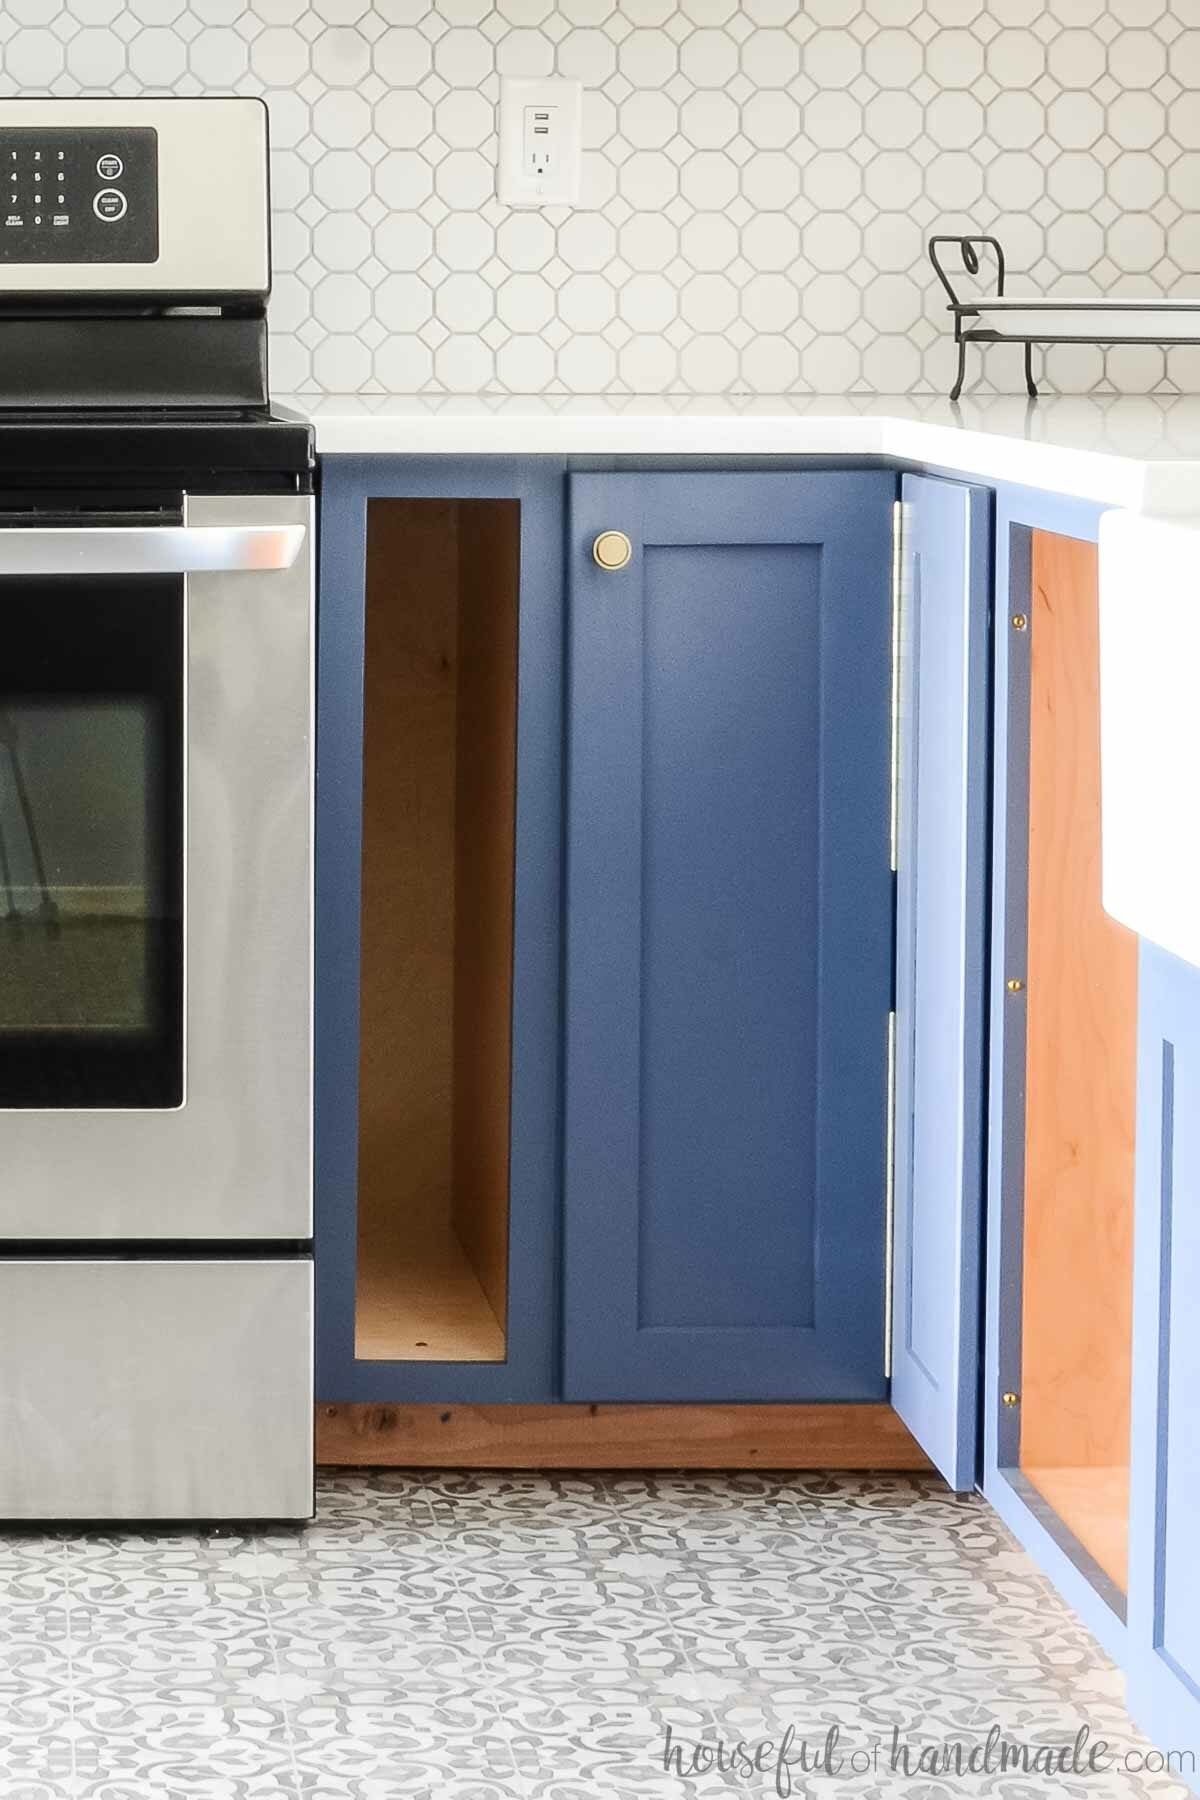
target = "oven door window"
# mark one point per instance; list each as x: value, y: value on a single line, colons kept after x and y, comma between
x: 91, y: 842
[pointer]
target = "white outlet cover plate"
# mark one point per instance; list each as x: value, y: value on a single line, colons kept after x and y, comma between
x: 560, y: 186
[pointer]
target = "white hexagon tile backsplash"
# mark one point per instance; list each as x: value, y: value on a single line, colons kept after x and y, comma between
x: 759, y: 179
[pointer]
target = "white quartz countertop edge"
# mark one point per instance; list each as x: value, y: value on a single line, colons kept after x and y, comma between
x: 1129, y: 458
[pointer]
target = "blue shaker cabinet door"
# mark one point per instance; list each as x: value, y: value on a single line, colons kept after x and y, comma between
x: 729, y: 937
x: 941, y: 884
x: 1163, y: 1630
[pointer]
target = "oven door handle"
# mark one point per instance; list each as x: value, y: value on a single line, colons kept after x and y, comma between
x: 147, y: 550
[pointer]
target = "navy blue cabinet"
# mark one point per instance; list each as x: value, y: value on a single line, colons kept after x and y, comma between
x: 682, y: 1144
x: 729, y: 936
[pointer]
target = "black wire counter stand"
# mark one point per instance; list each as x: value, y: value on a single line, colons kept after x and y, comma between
x: 1002, y: 318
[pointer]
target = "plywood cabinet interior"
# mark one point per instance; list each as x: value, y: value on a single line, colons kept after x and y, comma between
x: 439, y: 766
x: 1080, y: 1084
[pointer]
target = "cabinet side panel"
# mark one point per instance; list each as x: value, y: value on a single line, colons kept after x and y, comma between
x: 1080, y: 1083
x: 484, y: 836
x: 407, y: 974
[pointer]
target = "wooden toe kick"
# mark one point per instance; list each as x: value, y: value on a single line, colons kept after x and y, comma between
x: 615, y: 1437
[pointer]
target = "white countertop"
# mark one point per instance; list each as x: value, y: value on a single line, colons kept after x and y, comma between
x: 1139, y: 453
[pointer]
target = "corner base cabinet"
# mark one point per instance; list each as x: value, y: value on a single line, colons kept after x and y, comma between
x: 605, y: 961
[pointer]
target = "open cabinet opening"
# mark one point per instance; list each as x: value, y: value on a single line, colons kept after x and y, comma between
x: 1080, y: 1086
x: 439, y: 800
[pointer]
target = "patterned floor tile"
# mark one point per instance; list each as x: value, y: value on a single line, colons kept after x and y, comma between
x: 35, y: 1709
x: 450, y: 1635
x: 193, y: 1754
x: 376, y: 1671
x: 496, y: 1500
x: 416, y: 1745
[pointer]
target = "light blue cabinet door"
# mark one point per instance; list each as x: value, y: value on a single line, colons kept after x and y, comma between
x: 1163, y: 1633
x: 729, y: 937
x: 941, y: 860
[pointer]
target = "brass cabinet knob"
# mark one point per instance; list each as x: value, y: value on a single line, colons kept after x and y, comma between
x: 612, y: 550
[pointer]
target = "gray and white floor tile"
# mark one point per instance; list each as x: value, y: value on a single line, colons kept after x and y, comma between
x: 495, y: 1636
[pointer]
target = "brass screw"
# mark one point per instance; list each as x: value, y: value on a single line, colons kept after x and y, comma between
x: 1011, y: 1399
x: 1019, y: 621
x: 1015, y: 986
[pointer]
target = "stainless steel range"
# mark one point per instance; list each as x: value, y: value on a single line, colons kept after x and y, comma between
x: 156, y: 790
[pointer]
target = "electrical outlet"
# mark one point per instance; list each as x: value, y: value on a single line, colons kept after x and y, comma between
x: 539, y: 142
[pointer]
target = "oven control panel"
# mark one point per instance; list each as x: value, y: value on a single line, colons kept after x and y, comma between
x: 79, y: 194
x: 148, y: 200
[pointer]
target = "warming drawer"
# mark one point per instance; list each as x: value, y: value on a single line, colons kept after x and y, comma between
x: 139, y: 1389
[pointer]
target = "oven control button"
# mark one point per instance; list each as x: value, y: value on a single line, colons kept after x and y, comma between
x: 110, y: 168
x: 110, y: 205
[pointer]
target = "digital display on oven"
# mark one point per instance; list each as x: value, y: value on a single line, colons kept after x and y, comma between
x: 79, y: 194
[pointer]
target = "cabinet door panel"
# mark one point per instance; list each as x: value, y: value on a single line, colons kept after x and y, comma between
x: 1164, y: 1569
x: 941, y: 859
x: 729, y: 938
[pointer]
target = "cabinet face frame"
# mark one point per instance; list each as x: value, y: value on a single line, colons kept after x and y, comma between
x: 529, y: 1374
x: 1019, y: 513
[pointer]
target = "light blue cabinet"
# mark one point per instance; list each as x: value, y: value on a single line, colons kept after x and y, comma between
x: 1163, y: 1627
x: 941, y: 862
x: 728, y: 936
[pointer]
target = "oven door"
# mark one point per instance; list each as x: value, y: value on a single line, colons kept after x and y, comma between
x: 155, y: 877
